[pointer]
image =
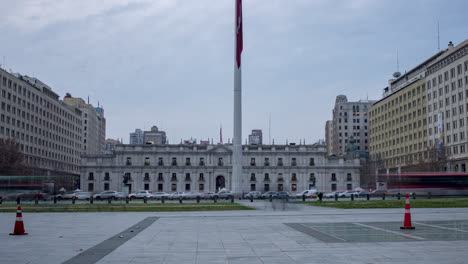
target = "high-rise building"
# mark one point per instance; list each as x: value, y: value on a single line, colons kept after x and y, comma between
x: 350, y: 119
x: 48, y: 131
x: 94, y: 125
x: 110, y: 145
x: 136, y: 137
x: 154, y: 136
x: 256, y: 138
x: 447, y: 99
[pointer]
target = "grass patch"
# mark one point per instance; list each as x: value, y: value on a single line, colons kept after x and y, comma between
x: 418, y: 203
x: 151, y: 207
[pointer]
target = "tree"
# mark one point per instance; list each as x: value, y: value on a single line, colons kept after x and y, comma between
x: 11, y: 158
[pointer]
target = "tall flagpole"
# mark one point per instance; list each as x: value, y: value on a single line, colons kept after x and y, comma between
x: 237, y: 181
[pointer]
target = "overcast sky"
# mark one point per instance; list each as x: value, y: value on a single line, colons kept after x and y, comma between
x: 170, y: 62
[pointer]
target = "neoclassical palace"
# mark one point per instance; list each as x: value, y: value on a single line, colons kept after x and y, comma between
x: 208, y: 168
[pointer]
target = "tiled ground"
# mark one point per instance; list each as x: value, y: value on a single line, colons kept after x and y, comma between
x: 259, y: 236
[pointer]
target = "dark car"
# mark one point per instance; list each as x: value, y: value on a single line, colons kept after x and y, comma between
x: 282, y: 195
x: 268, y: 194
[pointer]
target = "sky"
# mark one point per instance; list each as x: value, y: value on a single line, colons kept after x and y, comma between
x: 170, y: 63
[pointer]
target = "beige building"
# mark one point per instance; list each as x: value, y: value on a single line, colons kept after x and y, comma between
x: 154, y: 136
x: 94, y: 125
x: 398, y: 122
x: 447, y: 94
x: 48, y: 130
x: 350, y: 120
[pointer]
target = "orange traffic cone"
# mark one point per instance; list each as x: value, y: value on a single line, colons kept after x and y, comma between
x: 407, y: 223
x: 19, y: 227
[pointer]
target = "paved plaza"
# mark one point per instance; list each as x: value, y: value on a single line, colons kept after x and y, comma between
x: 274, y: 233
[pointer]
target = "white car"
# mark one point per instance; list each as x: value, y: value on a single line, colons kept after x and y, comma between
x: 140, y: 194
x: 177, y: 195
x: 159, y: 195
x: 106, y: 194
x: 347, y: 194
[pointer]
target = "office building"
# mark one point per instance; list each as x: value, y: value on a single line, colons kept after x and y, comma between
x: 94, y: 125
x: 447, y: 98
x: 136, y: 137
x: 256, y: 138
x: 49, y: 132
x: 154, y: 136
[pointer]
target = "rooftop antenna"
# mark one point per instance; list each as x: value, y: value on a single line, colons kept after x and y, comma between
x: 397, y: 74
x: 438, y: 36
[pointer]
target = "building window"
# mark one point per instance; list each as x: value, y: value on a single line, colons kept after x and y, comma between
x: 293, y: 177
x: 129, y: 161
x: 349, y: 187
x: 174, y: 161
x: 267, y: 162
x: 187, y: 161
x: 348, y: 177
x: 280, y: 177
x: 333, y: 187
x: 267, y: 177
x: 173, y: 187
x: 147, y: 161
x: 333, y: 177
x: 174, y: 177
x: 107, y: 176
x: 187, y: 177
x: 147, y: 178
x: 280, y: 187
x: 202, y: 177
x: 293, y: 162
x: 312, y: 179
x: 252, y: 161
x: 293, y: 187
x: 160, y: 177
x: 220, y: 162
x: 90, y: 187
x: 91, y: 176
x: 106, y: 186
x: 146, y: 186
x: 160, y: 162
x: 311, y: 162
x: 280, y: 161
x: 127, y: 177
x: 160, y: 187
x: 202, y: 162
x: 266, y: 187
x: 252, y: 177
x: 252, y: 187
x: 201, y: 187
x: 187, y: 186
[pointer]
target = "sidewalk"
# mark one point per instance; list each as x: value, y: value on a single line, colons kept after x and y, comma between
x: 259, y: 236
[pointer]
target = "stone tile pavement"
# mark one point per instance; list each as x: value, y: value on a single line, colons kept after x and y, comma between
x: 259, y: 236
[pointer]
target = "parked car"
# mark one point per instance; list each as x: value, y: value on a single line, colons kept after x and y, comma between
x: 331, y: 194
x: 253, y: 195
x: 348, y: 194
x: 30, y: 195
x: 268, y: 194
x: 191, y: 195
x: 106, y: 194
x: 224, y: 195
x: 66, y: 195
x: 207, y: 195
x: 177, y: 195
x: 83, y: 195
x: 159, y: 195
x: 140, y: 194
x: 282, y: 195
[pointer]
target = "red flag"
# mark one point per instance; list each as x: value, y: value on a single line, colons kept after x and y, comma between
x: 239, y: 44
